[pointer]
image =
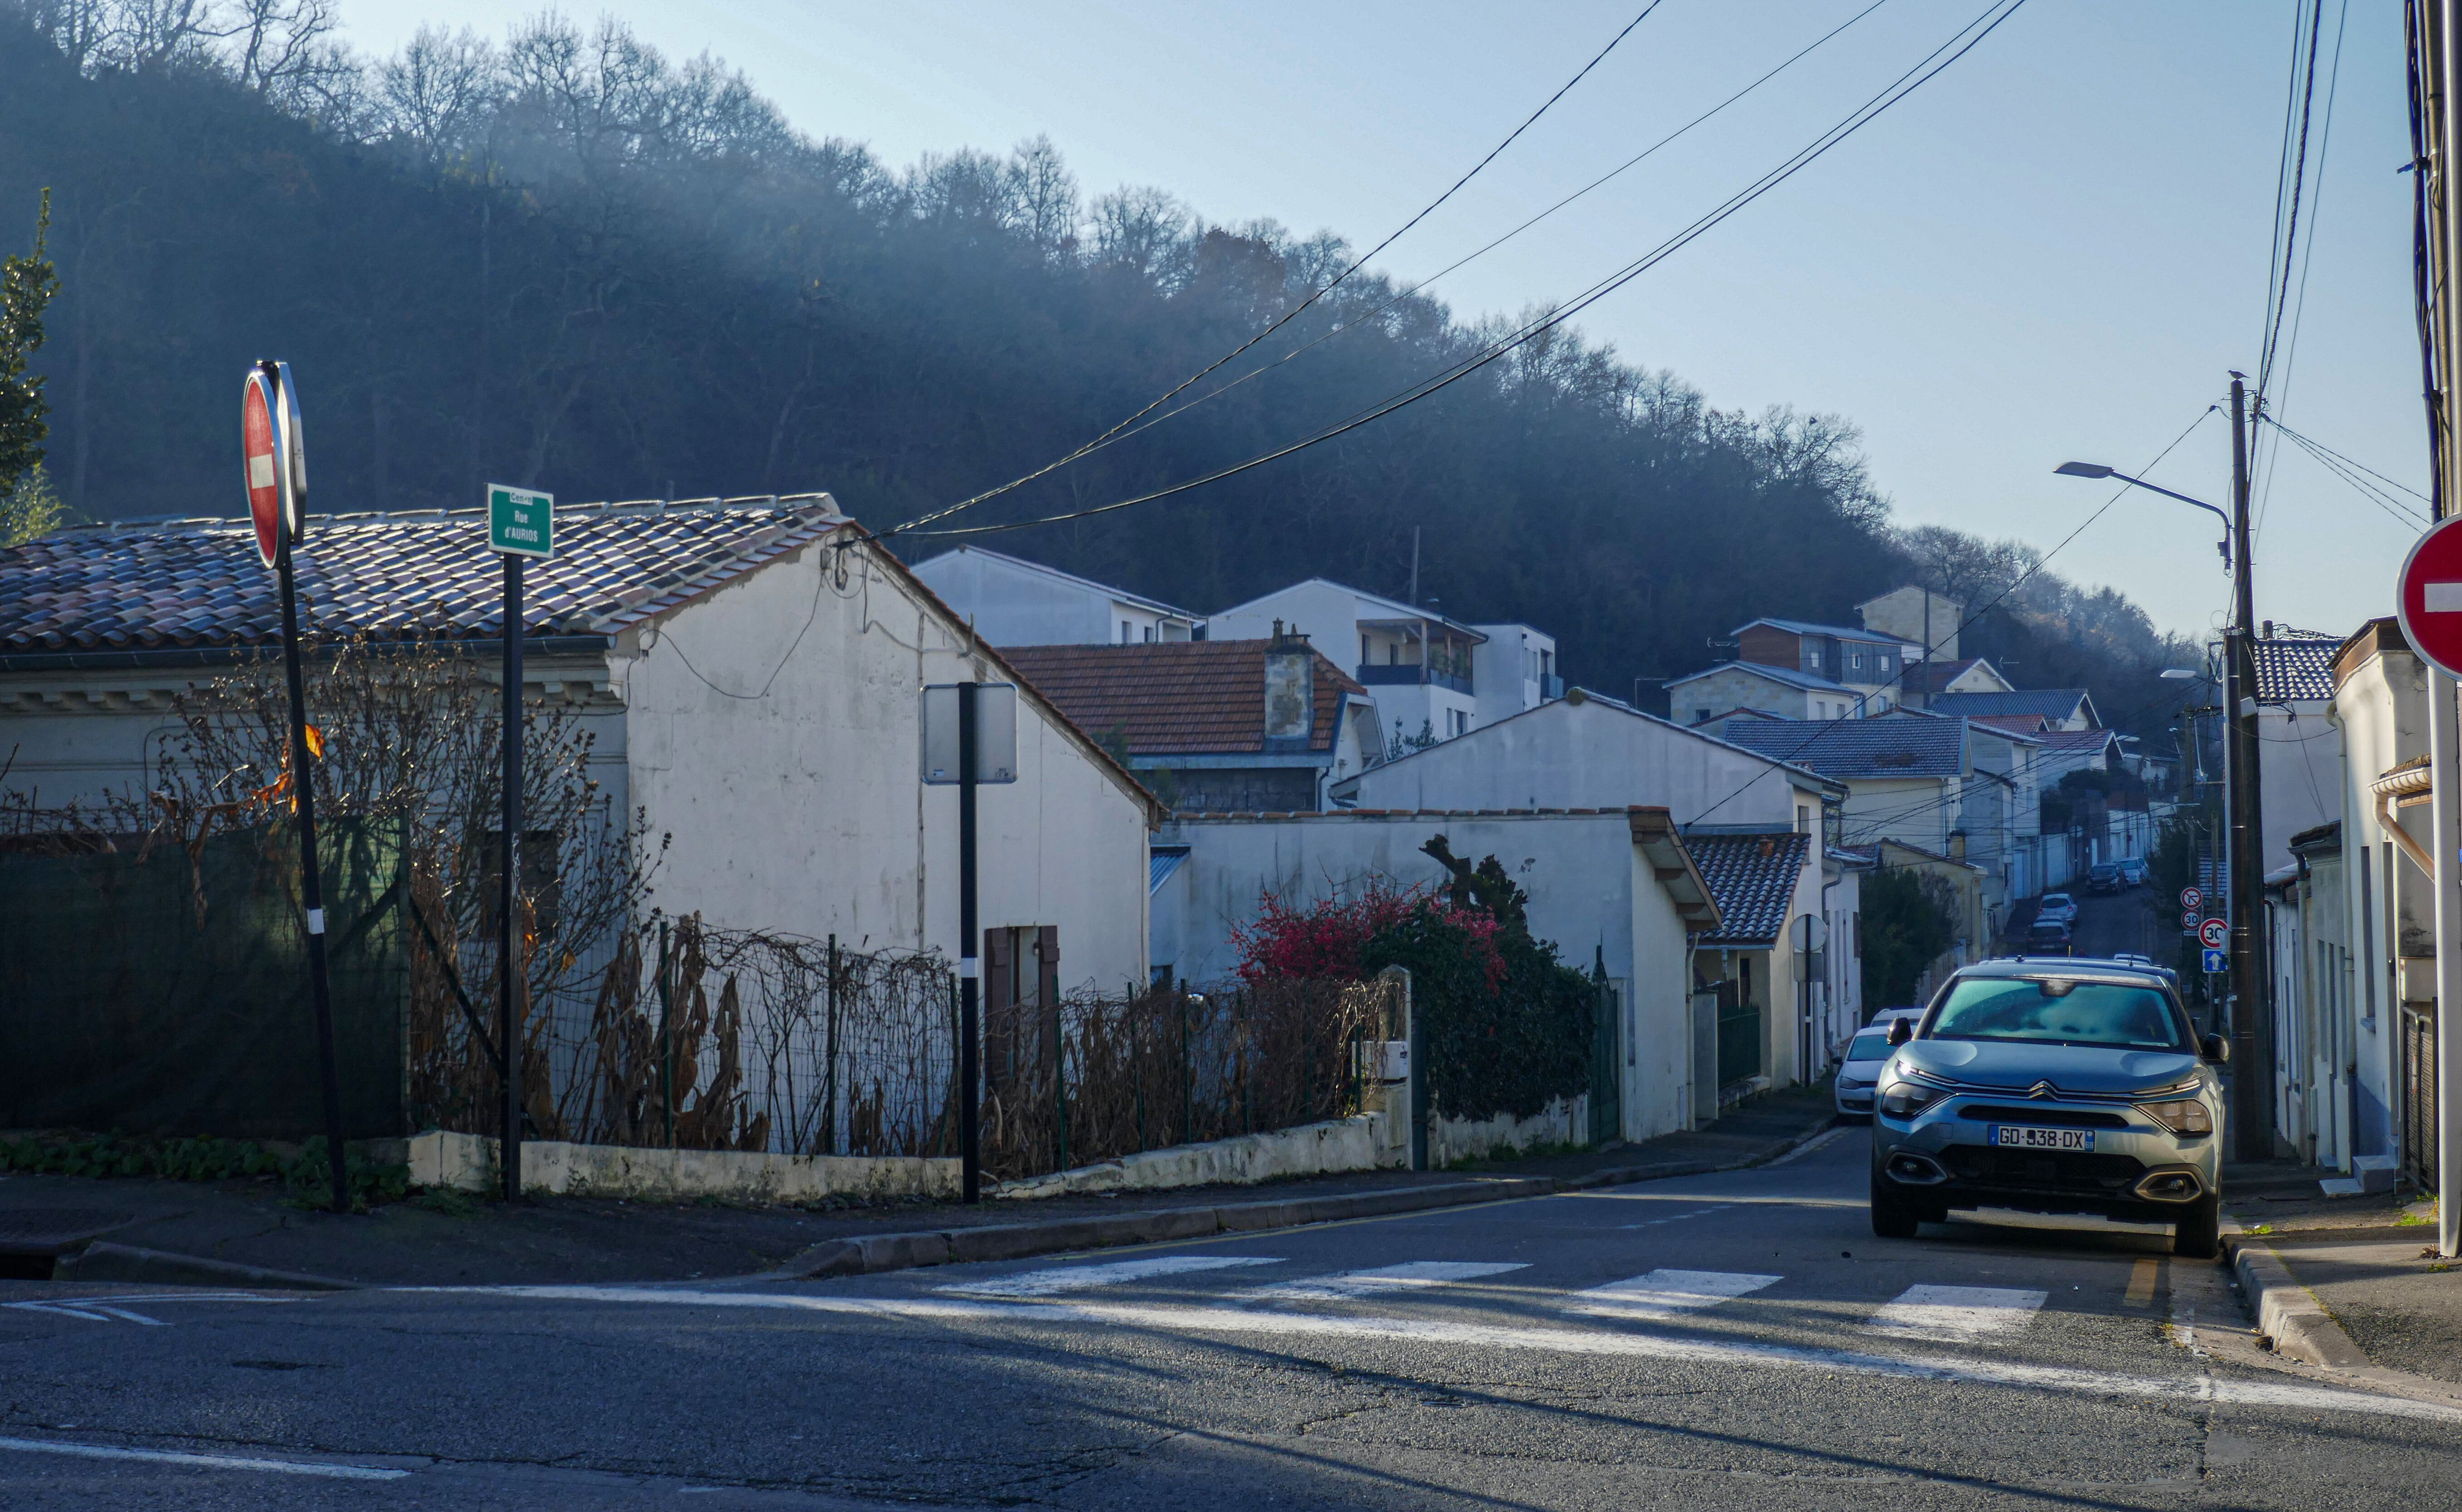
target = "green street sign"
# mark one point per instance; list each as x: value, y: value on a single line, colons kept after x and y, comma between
x: 520, y: 521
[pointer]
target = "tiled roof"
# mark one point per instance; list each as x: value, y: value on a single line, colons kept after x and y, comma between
x: 1805, y: 627
x: 2016, y: 724
x: 1788, y: 676
x: 1883, y: 747
x: 2288, y: 669
x: 1174, y: 698
x: 1751, y: 877
x: 2077, y: 740
x: 2052, y: 704
x: 1930, y: 677
x: 197, y: 583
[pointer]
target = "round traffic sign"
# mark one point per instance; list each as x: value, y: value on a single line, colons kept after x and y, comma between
x: 2213, y: 934
x: 2429, y: 596
x: 2191, y: 897
x: 263, y: 465
x: 2189, y: 919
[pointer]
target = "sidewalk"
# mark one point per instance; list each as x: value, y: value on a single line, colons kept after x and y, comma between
x: 2369, y: 1261
x: 451, y: 1240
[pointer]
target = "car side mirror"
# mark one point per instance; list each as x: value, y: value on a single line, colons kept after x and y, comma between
x: 1901, y: 1030
x: 2214, y: 1048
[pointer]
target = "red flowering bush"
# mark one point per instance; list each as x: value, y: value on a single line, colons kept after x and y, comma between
x: 1328, y: 939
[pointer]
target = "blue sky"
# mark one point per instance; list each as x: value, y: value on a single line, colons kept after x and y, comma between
x: 2055, y: 251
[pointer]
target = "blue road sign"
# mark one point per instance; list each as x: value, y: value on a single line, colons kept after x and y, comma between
x: 2216, y: 964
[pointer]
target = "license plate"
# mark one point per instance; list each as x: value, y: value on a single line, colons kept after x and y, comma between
x: 2013, y: 1137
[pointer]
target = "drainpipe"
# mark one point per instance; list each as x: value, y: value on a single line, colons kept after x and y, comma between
x: 2400, y: 788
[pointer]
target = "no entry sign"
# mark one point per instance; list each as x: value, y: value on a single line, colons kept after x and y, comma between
x: 264, y: 463
x: 2429, y: 597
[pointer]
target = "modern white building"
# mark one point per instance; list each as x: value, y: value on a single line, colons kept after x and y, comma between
x: 1011, y: 601
x: 1434, y: 679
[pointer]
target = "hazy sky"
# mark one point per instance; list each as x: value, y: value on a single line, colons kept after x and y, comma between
x: 2056, y: 250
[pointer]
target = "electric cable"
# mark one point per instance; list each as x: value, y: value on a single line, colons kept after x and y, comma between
x: 2270, y: 399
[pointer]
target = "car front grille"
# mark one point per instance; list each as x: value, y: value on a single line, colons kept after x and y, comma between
x: 2042, y: 1169
x: 2049, y: 1117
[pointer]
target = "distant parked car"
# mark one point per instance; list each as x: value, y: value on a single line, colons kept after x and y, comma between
x: 2104, y: 876
x: 2049, y: 937
x: 2058, y: 908
x: 2133, y: 870
x: 1861, y: 1068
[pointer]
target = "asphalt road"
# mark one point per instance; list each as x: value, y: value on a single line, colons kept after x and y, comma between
x: 1730, y: 1341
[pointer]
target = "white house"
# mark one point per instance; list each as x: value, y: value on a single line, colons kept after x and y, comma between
x: 1731, y: 687
x: 751, y: 672
x: 1916, y: 616
x: 1426, y: 671
x: 1014, y: 602
x: 1612, y: 887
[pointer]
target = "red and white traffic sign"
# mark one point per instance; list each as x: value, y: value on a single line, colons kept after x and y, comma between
x: 264, y: 453
x: 2191, y: 897
x: 2189, y: 919
x: 2429, y: 596
x: 2213, y: 934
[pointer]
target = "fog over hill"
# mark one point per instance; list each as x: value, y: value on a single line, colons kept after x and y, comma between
x: 558, y: 258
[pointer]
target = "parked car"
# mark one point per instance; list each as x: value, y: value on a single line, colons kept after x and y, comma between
x: 2057, y: 908
x: 2050, y: 936
x: 1860, y: 1068
x: 2133, y: 870
x: 2104, y: 876
x: 2080, y: 1087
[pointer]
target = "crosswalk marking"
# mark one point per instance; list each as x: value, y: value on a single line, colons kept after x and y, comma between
x: 1666, y: 1294
x: 105, y: 1308
x: 1384, y: 1278
x: 1079, y: 1278
x: 1956, y: 1314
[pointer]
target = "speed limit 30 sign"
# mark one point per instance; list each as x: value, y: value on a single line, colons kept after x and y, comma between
x: 2213, y: 934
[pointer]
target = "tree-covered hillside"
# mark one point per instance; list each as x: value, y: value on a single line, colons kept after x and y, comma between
x: 566, y: 261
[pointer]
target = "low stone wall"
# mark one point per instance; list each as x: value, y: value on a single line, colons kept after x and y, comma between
x: 1451, y: 1139
x: 1361, y: 1143
x: 469, y: 1163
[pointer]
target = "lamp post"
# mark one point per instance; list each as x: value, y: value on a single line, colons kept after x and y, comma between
x: 2251, y: 1021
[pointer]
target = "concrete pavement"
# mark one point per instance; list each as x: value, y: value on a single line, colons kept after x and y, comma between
x: 1727, y: 1340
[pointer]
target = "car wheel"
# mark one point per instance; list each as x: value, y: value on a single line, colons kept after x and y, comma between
x: 1893, y: 1216
x: 2197, y: 1233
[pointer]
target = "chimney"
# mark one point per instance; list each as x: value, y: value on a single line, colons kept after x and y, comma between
x: 1291, y: 690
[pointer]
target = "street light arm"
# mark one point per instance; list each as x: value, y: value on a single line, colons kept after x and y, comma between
x: 2182, y: 497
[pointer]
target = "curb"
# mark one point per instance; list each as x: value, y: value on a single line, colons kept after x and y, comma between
x: 108, y: 1262
x: 957, y: 1246
x: 2288, y: 1318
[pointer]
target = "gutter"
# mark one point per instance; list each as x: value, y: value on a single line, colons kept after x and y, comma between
x: 2406, y: 784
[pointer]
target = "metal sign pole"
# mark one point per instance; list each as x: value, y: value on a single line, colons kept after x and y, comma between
x: 312, y: 892
x: 971, y: 1152
x: 508, y: 959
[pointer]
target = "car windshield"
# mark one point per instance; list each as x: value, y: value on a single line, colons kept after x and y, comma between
x: 1871, y: 1044
x: 2061, y: 1012
x: 2055, y: 899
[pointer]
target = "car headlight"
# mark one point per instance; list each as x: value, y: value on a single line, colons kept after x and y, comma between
x: 2186, y: 1117
x: 1903, y: 1099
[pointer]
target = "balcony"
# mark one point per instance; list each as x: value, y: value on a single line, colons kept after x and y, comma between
x: 1408, y: 674
x: 1550, y: 687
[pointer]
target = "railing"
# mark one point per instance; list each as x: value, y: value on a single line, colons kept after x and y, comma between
x: 1550, y: 686
x: 1405, y: 674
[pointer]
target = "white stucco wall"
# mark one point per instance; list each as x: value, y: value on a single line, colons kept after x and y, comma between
x: 2382, y: 710
x: 1591, y: 894
x: 1014, y: 604
x: 2300, y: 773
x: 802, y: 808
x: 1591, y: 754
x: 1736, y: 687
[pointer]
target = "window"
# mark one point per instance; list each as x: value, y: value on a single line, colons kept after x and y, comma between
x: 1124, y: 632
x: 1858, y: 662
x: 1456, y: 723
x: 1701, y: 716
x: 2058, y: 1011
x: 1363, y: 657
x: 1150, y: 634
x: 1812, y: 657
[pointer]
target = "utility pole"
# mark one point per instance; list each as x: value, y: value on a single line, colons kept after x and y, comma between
x: 2251, y: 1020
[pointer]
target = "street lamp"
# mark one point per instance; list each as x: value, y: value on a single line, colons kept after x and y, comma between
x: 2096, y: 469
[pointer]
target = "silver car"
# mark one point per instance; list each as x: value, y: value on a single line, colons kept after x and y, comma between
x: 2052, y: 1087
x: 1859, y: 1070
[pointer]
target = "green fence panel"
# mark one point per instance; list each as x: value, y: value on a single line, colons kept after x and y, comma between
x: 168, y: 995
x: 1739, y: 1039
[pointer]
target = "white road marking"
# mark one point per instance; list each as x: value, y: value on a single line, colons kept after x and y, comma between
x: 1077, y: 1278
x: 1957, y: 1315
x: 102, y: 1309
x: 1664, y: 1295
x: 1813, y: 1145
x: 1676, y: 1218
x: 169, y: 1456
x: 1592, y: 1342
x: 1384, y: 1278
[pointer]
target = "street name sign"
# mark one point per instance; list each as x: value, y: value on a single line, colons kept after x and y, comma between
x: 521, y: 521
x: 2191, y: 897
x: 2213, y: 934
x: 2429, y: 596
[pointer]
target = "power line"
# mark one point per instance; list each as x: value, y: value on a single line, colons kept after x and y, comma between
x: 1294, y: 312
x: 2304, y: 82
x: 2374, y: 494
x: 2351, y: 461
x: 1118, y: 435
x: 2268, y: 401
x: 1923, y: 72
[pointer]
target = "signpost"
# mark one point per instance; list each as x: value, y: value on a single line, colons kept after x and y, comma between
x: 2213, y: 934
x: 969, y: 738
x: 2428, y: 598
x: 521, y: 524
x: 275, y: 471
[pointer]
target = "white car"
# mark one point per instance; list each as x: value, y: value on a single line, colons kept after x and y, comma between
x: 2059, y: 908
x: 1860, y: 1068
